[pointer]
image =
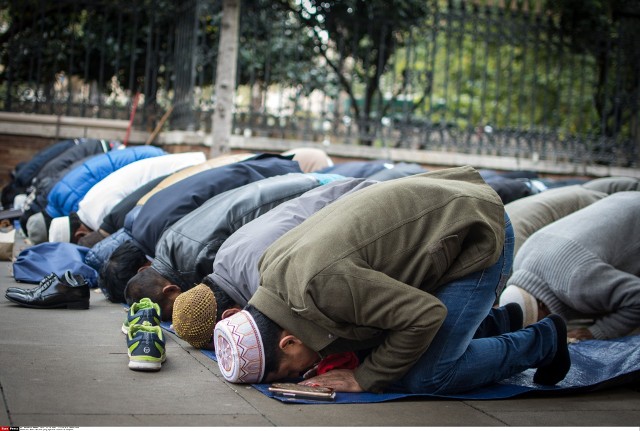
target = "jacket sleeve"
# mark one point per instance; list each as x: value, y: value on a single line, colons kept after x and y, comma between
x: 362, y: 302
x: 102, y: 251
x: 615, y: 301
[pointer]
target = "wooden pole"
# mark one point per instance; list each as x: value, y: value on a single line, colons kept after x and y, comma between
x: 163, y: 120
x: 133, y: 114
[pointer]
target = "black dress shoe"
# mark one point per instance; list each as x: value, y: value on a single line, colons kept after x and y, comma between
x: 44, y: 283
x: 70, y: 291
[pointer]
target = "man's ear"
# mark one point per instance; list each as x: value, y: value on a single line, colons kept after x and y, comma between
x: 288, y: 340
x: 171, y: 290
x: 230, y: 312
x: 143, y: 267
x: 78, y: 234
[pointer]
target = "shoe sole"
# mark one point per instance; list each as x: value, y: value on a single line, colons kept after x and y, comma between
x: 70, y: 306
x: 145, y: 365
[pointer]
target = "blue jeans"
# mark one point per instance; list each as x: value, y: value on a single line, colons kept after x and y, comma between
x: 461, y: 359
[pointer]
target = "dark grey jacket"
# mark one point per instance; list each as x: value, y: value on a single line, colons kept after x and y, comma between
x: 187, y: 249
x: 57, y: 167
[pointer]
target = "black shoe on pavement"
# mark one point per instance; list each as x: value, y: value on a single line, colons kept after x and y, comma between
x: 44, y: 283
x: 559, y: 366
x: 71, y: 291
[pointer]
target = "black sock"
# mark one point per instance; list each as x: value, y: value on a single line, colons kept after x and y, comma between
x: 516, y: 318
x: 559, y: 366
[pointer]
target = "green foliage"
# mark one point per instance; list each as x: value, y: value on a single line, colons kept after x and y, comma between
x: 274, y: 49
x: 568, y: 67
x: 356, y: 39
x: 79, y: 39
x: 513, y: 69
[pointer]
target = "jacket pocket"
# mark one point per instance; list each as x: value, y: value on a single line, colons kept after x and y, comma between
x: 441, y: 257
x: 443, y: 254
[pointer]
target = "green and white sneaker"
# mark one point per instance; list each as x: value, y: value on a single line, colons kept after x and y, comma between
x: 145, y: 347
x: 142, y: 311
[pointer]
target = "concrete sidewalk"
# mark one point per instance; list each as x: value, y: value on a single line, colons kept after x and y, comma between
x: 69, y: 368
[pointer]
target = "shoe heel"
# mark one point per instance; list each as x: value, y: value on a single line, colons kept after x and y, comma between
x: 78, y: 305
x: 144, y: 365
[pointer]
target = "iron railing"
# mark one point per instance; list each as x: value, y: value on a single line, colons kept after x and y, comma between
x: 499, y: 77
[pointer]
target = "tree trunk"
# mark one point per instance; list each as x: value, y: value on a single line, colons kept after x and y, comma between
x: 222, y: 120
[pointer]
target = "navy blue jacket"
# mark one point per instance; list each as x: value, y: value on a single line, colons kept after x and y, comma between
x: 398, y: 170
x: 169, y: 205
x: 25, y: 172
x: 356, y: 169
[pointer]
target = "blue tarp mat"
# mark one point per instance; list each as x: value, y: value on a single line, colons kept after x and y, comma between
x: 595, y: 365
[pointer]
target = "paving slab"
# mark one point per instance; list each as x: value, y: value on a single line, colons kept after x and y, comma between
x: 69, y: 368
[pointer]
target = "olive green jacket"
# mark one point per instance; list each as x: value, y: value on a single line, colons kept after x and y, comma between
x: 361, y: 271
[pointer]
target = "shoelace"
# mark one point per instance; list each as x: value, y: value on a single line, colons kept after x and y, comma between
x: 46, y: 282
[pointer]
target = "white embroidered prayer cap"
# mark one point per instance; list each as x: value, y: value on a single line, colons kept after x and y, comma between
x: 239, y: 348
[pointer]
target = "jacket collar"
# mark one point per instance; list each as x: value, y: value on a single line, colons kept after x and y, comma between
x: 312, y: 335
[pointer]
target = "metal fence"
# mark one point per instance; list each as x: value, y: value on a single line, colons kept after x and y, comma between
x: 499, y: 77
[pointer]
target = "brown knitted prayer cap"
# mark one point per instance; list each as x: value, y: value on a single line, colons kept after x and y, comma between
x: 194, y: 315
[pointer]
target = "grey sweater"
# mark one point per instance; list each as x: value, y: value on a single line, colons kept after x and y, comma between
x: 587, y: 265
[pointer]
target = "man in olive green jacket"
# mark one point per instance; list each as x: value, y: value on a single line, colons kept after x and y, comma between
x: 408, y: 268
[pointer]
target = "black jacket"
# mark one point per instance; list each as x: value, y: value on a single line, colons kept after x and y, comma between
x: 186, y: 251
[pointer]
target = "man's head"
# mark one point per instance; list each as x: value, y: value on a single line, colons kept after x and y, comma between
x: 196, y: 311
x: 92, y: 238
x: 125, y: 262
x: 310, y: 159
x: 68, y: 229
x: 252, y: 348
x: 148, y: 283
x: 38, y: 227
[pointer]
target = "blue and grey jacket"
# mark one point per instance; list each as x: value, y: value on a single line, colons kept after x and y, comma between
x: 102, y: 251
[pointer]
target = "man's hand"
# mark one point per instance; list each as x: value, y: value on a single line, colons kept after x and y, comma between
x: 340, y: 380
x: 580, y: 334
